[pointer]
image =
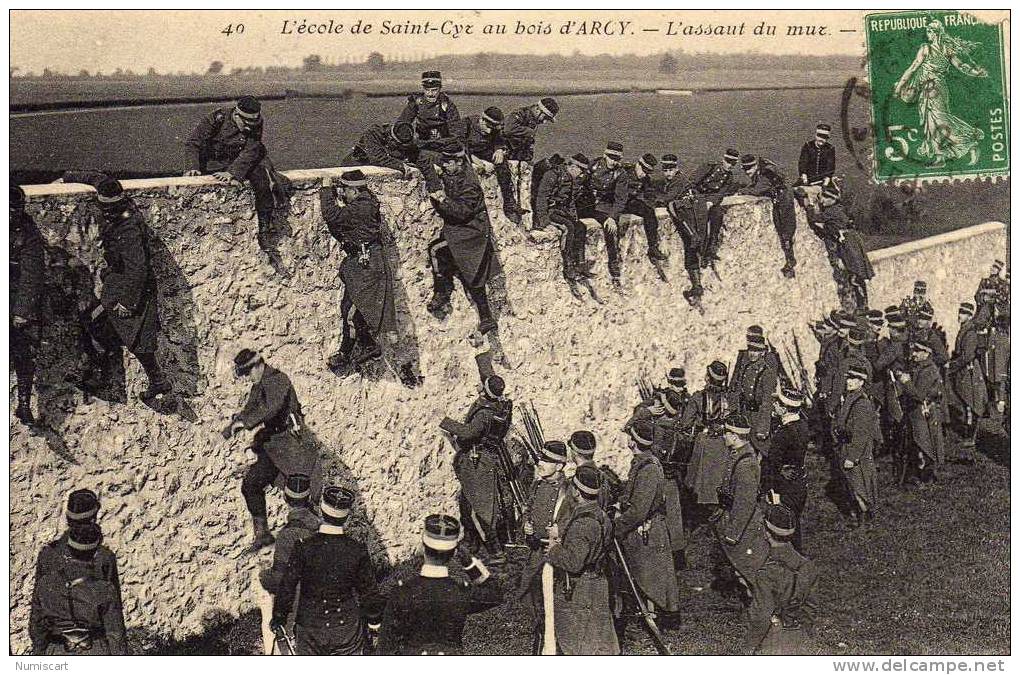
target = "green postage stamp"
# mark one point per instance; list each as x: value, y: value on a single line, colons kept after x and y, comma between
x: 939, y: 102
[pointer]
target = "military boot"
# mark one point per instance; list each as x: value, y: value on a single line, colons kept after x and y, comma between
x: 439, y: 306
x: 24, y: 410
x: 341, y: 361
x: 694, y: 293
x: 656, y: 254
x: 262, y: 536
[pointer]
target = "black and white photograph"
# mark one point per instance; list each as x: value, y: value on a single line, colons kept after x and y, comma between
x: 583, y: 332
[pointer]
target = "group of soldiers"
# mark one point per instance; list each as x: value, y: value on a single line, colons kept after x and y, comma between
x: 728, y: 458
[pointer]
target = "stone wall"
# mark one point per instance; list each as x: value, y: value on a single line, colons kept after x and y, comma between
x: 172, y: 508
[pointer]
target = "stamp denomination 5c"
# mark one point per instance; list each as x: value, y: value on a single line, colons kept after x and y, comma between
x: 938, y: 95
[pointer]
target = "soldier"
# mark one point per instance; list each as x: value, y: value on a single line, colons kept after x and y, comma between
x: 537, y: 171
x: 921, y: 396
x: 338, y: 585
x: 995, y: 365
x: 426, y: 615
x: 856, y: 432
x: 782, y: 587
x: 27, y: 273
x: 549, y: 505
x: 578, y: 553
x: 911, y: 306
x: 967, y: 378
x: 602, y: 179
x: 994, y: 279
x: 672, y: 447
x: 784, y: 477
x: 640, y: 525
x: 430, y: 112
x: 387, y: 145
x: 851, y: 266
x: 927, y: 331
x: 581, y: 452
x: 228, y: 144
x: 464, y: 247
x: 482, y: 136
x: 709, y: 457
x: 753, y: 386
x: 278, y: 446
x: 302, y: 523
x: 893, y: 356
x: 485, y: 499
x: 816, y: 165
x: 711, y: 183
x: 127, y: 315
x: 75, y: 610
x: 556, y: 204
x: 635, y: 195
x: 767, y: 181
x: 678, y: 197
x: 367, y: 308
x: 522, y: 124
x: 739, y: 523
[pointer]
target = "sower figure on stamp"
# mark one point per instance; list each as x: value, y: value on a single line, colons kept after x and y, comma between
x: 782, y: 590
x: 367, y: 308
x: 635, y: 196
x: 783, y: 476
x: 387, y: 145
x: 640, y: 525
x: 127, y: 315
x: 556, y: 205
x: 27, y: 275
x: 425, y: 615
x: 815, y: 166
x: 464, y: 248
x: 485, y: 501
x: 767, y: 181
x: 605, y: 172
x: 549, y: 505
x: 856, y: 431
x: 338, y: 595
x: 968, y: 380
x: 278, y: 446
x: 739, y: 523
x: 227, y: 143
x: 578, y: 553
x: 482, y: 136
x: 302, y: 523
x: 75, y: 610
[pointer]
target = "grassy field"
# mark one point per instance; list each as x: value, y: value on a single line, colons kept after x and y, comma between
x: 930, y: 575
x: 306, y: 133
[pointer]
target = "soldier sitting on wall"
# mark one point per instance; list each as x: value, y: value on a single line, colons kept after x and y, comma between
x: 228, y: 144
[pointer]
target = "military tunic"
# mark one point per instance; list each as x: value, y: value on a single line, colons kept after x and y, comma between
x: 643, y: 534
x: 484, y: 146
x: 965, y: 372
x: 783, y: 584
x: 426, y: 615
x: 710, y: 457
x: 666, y: 443
x: 476, y: 464
x: 27, y: 280
x: 338, y: 587
x: 783, y: 470
x: 76, y: 611
x: 466, y: 235
x: 857, y: 434
x: 365, y: 273
x: 377, y: 147
x: 921, y: 398
x: 584, y: 622
x: 769, y: 182
x: 635, y: 195
x: 519, y: 132
x: 740, y: 526
x: 302, y: 523
x: 752, y: 389
x: 128, y: 278
x: 816, y: 162
x: 431, y: 119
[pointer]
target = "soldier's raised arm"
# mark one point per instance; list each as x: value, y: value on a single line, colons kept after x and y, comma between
x: 266, y: 400
x: 251, y: 154
x: 377, y: 153
x: 200, y: 136
x: 410, y: 111
x: 463, y: 206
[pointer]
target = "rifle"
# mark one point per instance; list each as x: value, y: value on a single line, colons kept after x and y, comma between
x: 809, y: 396
x: 285, y: 642
x: 645, y: 388
x: 532, y: 438
x: 520, y: 503
x: 653, y: 630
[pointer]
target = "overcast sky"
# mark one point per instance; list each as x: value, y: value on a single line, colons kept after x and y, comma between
x: 171, y: 41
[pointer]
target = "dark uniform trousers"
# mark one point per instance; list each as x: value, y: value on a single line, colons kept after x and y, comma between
x: 445, y: 270
x: 649, y: 221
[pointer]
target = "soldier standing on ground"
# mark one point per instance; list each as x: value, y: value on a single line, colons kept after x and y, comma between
x: 556, y: 204
x: 127, y: 315
x: 367, y: 309
x: 784, y: 478
x: 578, y: 552
x: 75, y: 610
x: 767, y: 181
x: 911, y: 305
x: 278, y: 446
x: 227, y: 143
x: 27, y: 274
x: 387, y: 145
x: 485, y: 498
x: 753, y: 387
x: 968, y: 380
x: 640, y: 525
x: 856, y: 432
x: 893, y: 356
x: 710, y: 455
x: 425, y: 615
x: 464, y: 247
x: 921, y: 393
x: 338, y: 585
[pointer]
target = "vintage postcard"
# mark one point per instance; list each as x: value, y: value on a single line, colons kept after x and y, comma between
x: 492, y: 332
